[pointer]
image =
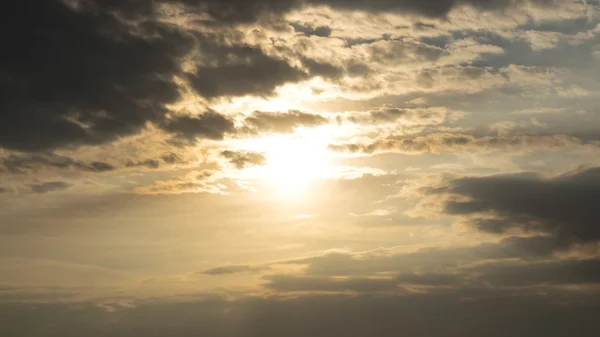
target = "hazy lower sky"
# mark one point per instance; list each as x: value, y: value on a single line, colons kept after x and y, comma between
x: 299, y: 168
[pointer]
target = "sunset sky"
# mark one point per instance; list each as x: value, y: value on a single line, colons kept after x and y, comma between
x: 270, y: 168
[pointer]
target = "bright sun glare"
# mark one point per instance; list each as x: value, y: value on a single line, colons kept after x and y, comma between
x: 293, y: 162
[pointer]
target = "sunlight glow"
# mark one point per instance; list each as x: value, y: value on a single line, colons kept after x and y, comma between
x: 293, y: 161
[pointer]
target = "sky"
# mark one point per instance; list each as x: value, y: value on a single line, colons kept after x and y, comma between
x: 299, y: 168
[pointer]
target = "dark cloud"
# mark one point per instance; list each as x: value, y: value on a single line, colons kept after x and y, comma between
x: 460, y: 313
x: 282, y: 122
x: 450, y: 142
x: 423, y: 264
x: 232, y: 270
x: 80, y: 77
x: 426, y: 266
x: 567, y: 272
x: 423, y: 26
x: 231, y: 11
x: 251, y: 72
x: 327, y: 284
x: 98, y: 166
x: 322, y: 68
x: 149, y: 163
x: 21, y: 163
x: 31, y: 162
x: 430, y: 279
x: 565, y: 26
x: 564, y: 206
x: 243, y: 159
x: 171, y: 158
x: 204, y: 181
x: 51, y: 186
x: 208, y: 125
x: 93, y: 71
x: 512, y: 262
x: 404, y: 116
x: 309, y: 30
x: 430, y: 8
x: 496, y: 274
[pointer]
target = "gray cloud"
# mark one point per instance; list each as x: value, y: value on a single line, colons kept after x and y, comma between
x: 77, y: 77
x: 51, y: 186
x: 149, y: 163
x: 230, y: 11
x: 326, y: 284
x: 153, y: 163
x: 451, y: 142
x: 254, y: 74
x: 309, y: 30
x: 204, y: 181
x: 564, y: 205
x: 410, y: 266
x: 21, y: 163
x: 62, y: 92
x: 226, y: 270
x: 208, y: 125
x: 171, y: 158
x: 498, y: 274
x: 456, y: 313
x: 430, y: 279
x: 243, y: 159
x: 403, y: 116
x: 281, y: 122
x: 429, y: 266
x: 322, y: 68
x: 554, y: 273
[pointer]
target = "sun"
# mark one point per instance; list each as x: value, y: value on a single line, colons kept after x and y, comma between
x: 293, y: 162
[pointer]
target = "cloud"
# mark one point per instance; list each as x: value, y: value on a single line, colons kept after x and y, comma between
x: 511, y: 262
x: 457, y: 142
x: 209, y: 125
x: 430, y: 279
x: 236, y: 11
x: 281, y: 122
x: 154, y: 163
x: 225, y: 270
x: 126, y: 75
x: 496, y: 274
x: 80, y: 77
x: 563, y: 206
x: 309, y: 30
x: 243, y: 159
x: 133, y: 66
x: 48, y: 187
x: 255, y: 73
x: 171, y: 158
x: 21, y: 163
x: 402, y: 116
x: 326, y: 284
x: 205, y: 181
x: 149, y: 163
x: 565, y: 272
x: 453, y: 314
x: 424, y: 265
x: 386, y: 269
